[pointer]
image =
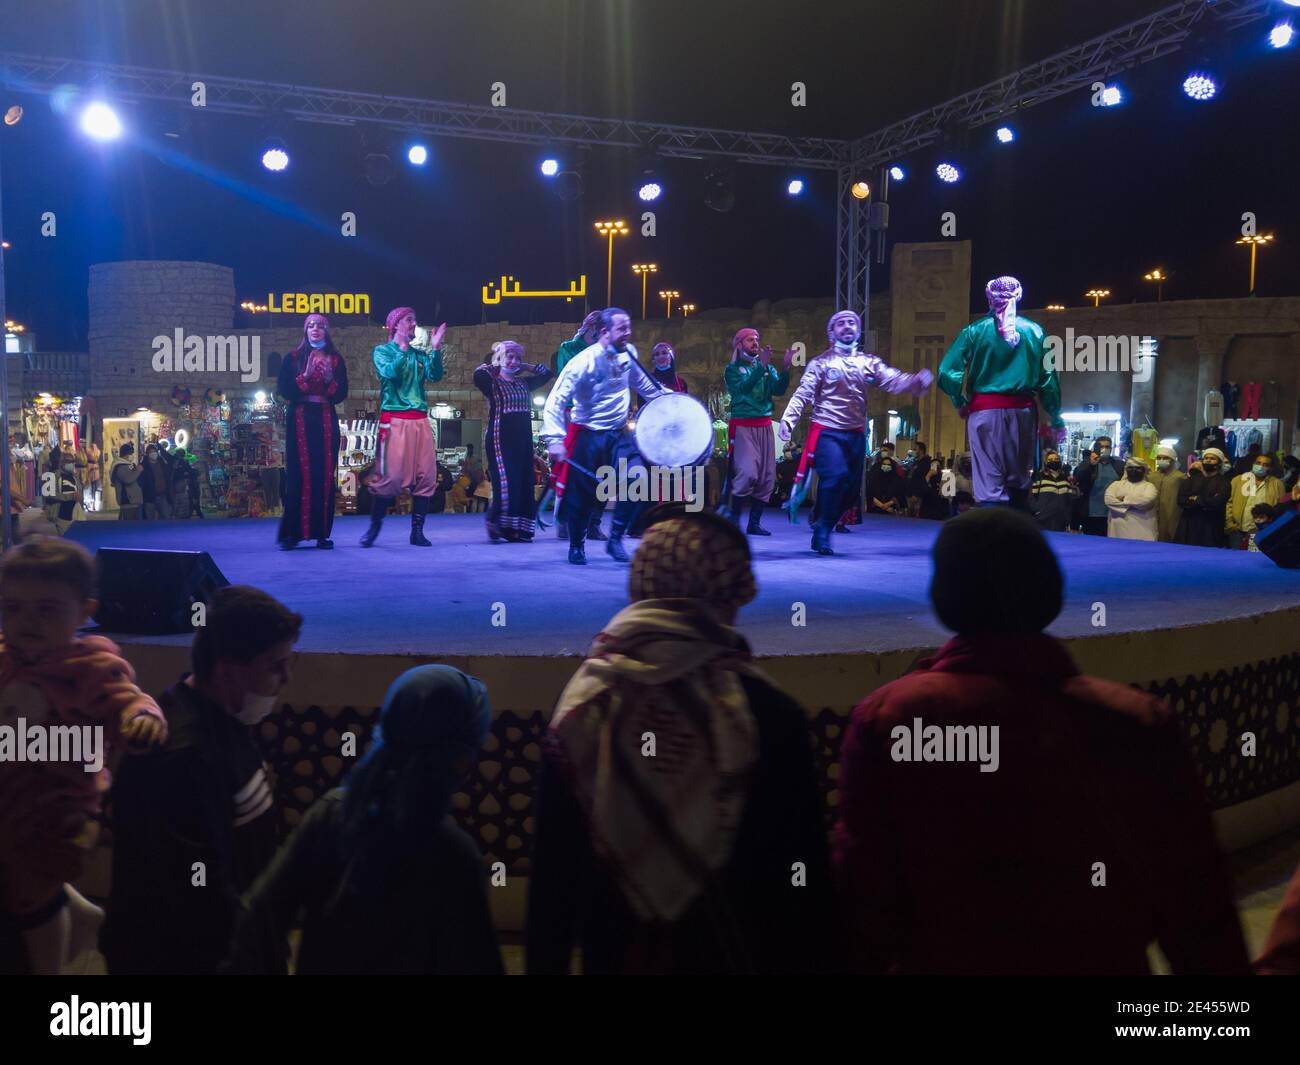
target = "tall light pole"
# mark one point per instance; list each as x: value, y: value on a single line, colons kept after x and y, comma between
x: 686, y: 309
x: 1159, y: 277
x: 669, y: 295
x: 645, y: 270
x: 1097, y: 295
x: 610, y: 230
x: 1254, y: 243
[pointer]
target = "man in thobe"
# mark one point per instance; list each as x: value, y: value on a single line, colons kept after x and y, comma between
x: 1166, y: 478
x: 1131, y: 504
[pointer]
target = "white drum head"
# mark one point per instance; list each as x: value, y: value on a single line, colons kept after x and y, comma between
x: 673, y: 430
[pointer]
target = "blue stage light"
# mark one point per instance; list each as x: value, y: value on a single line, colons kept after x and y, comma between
x: 275, y: 159
x: 550, y: 167
x: 651, y: 190
x: 897, y: 173
x: 1112, y: 96
x: 1200, y: 86
x: 948, y: 173
x: 795, y: 187
x: 100, y: 121
x: 1282, y: 35
x: 417, y: 155
x: 1005, y: 134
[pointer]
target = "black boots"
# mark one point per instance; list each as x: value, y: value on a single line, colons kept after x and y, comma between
x: 821, y: 540
x: 419, y: 508
x: 378, y: 508
x: 614, y: 547
x: 593, y: 527
x: 755, y: 512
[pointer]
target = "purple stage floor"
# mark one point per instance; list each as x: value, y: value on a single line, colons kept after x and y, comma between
x: 870, y: 596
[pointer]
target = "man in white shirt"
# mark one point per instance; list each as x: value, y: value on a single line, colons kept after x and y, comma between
x: 593, y: 432
x: 1131, y: 504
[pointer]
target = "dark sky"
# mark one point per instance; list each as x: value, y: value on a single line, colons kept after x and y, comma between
x: 1085, y: 197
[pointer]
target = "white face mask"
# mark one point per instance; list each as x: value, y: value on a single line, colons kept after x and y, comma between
x: 1164, y: 464
x: 255, y: 708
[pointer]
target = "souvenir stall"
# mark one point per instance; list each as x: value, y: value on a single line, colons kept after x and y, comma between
x: 211, y: 444
x: 1083, y: 427
x: 358, y: 444
x: 254, y: 471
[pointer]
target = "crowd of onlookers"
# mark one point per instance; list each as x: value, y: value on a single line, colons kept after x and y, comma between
x: 1057, y: 824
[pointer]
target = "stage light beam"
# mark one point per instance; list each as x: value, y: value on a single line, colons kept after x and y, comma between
x: 100, y: 122
x: 1281, y: 35
x: 550, y: 167
x: 1200, y: 86
x: 417, y: 155
x: 898, y: 173
x: 795, y: 187
x: 1005, y: 134
x: 948, y: 173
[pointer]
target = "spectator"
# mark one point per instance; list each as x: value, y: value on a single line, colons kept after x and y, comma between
x: 1248, y: 460
x: 1093, y: 477
x: 785, y: 473
x: 682, y: 862
x: 964, y: 478
x: 923, y: 485
x: 1204, y: 498
x: 1257, y: 485
x: 962, y: 502
x: 1052, y: 495
x: 184, y: 486
x: 385, y: 879
x: 438, y: 503
x: 1167, y: 478
x: 458, y: 497
x: 1132, y: 504
x: 203, y: 802
x: 1290, y: 474
x: 885, y: 484
x: 154, y: 484
x: 64, y: 506
x: 998, y: 867
x: 53, y: 678
x: 1262, y: 514
x: 125, y: 479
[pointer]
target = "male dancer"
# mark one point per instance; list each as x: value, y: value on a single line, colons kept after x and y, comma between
x: 836, y: 383
x: 408, y: 455
x: 752, y: 381
x: 994, y: 372
x: 593, y: 432
x: 582, y: 339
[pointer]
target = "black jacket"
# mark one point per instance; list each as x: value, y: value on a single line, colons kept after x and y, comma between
x: 1202, y: 523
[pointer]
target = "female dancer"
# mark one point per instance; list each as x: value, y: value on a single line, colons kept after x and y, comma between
x: 509, y: 440
x: 313, y: 377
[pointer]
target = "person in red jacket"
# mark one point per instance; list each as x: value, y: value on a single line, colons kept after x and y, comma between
x: 1003, y: 813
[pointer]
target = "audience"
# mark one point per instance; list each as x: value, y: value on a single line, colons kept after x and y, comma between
x: 1167, y: 478
x: 1132, y: 504
x: 385, y: 879
x: 950, y: 866
x: 885, y: 484
x: 1052, y: 495
x: 1204, y: 497
x: 125, y: 478
x: 1094, y: 476
x: 194, y: 823
x: 679, y: 826
x: 1256, y: 485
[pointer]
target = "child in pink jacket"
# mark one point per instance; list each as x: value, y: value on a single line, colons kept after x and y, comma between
x: 67, y: 702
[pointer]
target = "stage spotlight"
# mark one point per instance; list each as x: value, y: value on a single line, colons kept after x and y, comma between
x: 1112, y: 96
x: 1005, y: 134
x: 1200, y: 86
x: 897, y: 173
x: 1282, y: 35
x: 649, y: 191
x: 275, y: 154
x: 100, y: 122
x: 568, y: 185
x: 947, y: 173
x: 550, y: 167
x: 860, y: 190
x: 795, y: 187
x: 14, y: 115
x: 417, y: 155
x: 719, y: 191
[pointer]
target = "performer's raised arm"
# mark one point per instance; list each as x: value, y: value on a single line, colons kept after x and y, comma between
x: 952, y: 370
x: 882, y: 375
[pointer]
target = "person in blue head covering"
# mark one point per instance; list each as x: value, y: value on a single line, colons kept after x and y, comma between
x: 386, y: 880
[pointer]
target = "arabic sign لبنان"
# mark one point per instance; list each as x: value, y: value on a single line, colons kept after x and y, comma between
x: 509, y: 289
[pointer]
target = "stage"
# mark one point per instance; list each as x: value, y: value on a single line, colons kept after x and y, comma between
x: 1215, y: 632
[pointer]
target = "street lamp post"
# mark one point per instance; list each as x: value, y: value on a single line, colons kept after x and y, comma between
x: 1254, y: 243
x: 610, y: 230
x: 645, y: 270
x: 1097, y: 295
x: 669, y: 295
x: 686, y: 309
x: 1159, y: 277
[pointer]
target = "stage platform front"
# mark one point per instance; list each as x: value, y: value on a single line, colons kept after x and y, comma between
x: 1215, y: 632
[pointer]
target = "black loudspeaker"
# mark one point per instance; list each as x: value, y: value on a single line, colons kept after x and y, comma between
x: 1280, y: 540
x: 153, y: 591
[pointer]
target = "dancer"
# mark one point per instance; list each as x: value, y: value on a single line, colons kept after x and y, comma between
x: 594, y: 432
x: 835, y: 383
x: 752, y: 382
x: 509, y: 448
x: 407, y: 456
x: 994, y: 373
x: 663, y: 368
x: 313, y: 377
x: 582, y: 339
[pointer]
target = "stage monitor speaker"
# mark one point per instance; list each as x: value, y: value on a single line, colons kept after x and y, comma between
x: 1280, y: 540
x: 153, y: 591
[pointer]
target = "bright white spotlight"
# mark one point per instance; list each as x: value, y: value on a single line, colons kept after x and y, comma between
x: 795, y: 187
x: 1291, y: 3
x: 651, y: 190
x: 948, y: 173
x: 1282, y: 35
x: 897, y: 173
x: 1005, y: 134
x: 259, y: 397
x: 100, y: 121
x: 550, y: 167
x: 1111, y: 96
x: 417, y: 155
x: 1200, y: 87
x: 275, y: 159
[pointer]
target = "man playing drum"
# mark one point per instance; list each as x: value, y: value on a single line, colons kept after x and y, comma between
x: 593, y: 433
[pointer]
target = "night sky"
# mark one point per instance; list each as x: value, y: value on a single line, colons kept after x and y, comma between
x: 1084, y: 198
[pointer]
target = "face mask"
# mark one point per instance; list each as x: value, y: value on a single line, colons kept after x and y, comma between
x: 1104, y: 452
x: 1135, y: 475
x: 1165, y: 464
x: 255, y: 708
x: 1053, y: 464
x: 151, y: 458
x: 1259, y: 471
x: 316, y: 344
x: 1210, y: 467
x: 886, y: 465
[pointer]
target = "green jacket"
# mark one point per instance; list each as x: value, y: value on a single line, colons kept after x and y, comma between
x: 403, y: 374
x: 567, y: 351
x: 752, y: 387
x: 995, y: 366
